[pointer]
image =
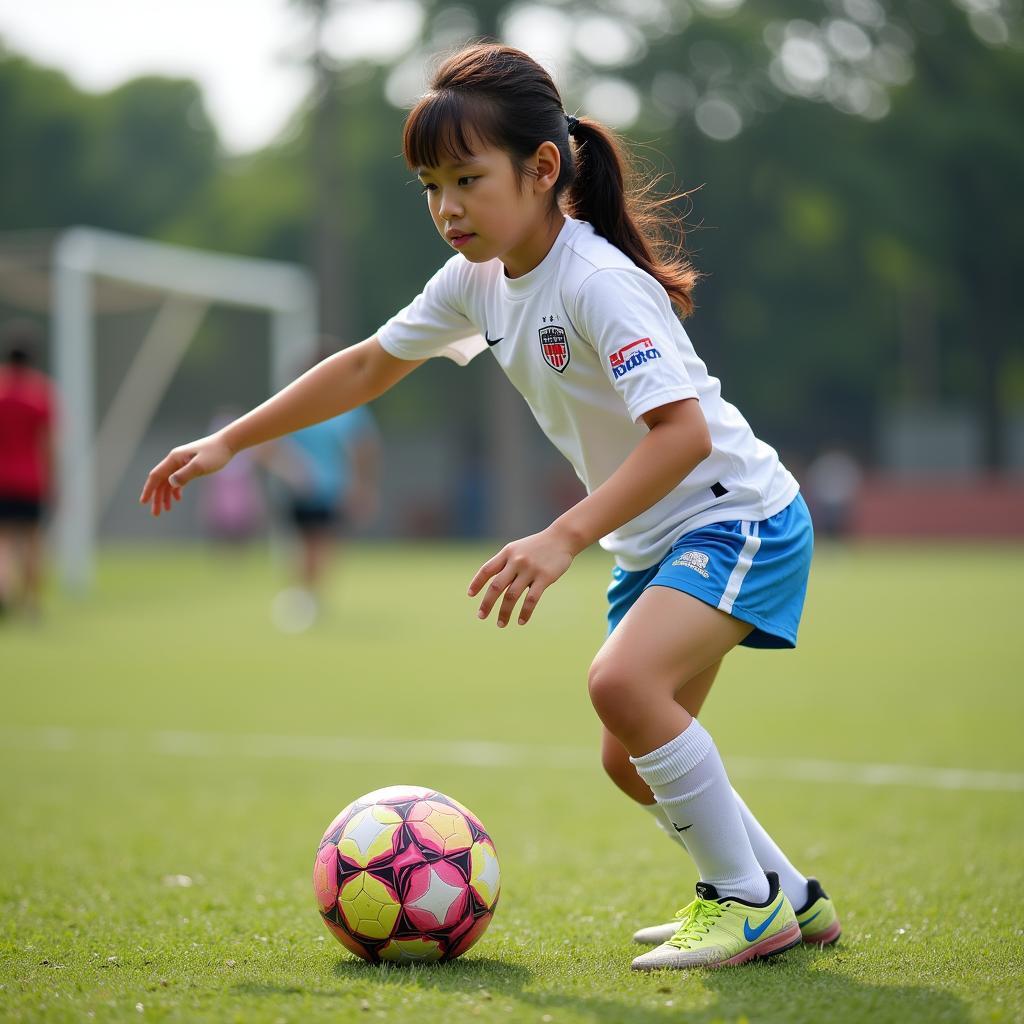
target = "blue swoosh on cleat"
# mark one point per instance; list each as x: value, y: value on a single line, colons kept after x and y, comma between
x: 750, y: 934
x: 804, y: 924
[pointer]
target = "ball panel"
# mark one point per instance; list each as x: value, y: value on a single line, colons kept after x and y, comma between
x: 396, y: 795
x: 325, y: 876
x: 369, y: 835
x: 352, y: 944
x: 470, y: 938
x: 467, y: 813
x: 439, y: 827
x: 339, y: 819
x: 485, y: 874
x: 412, y: 951
x: 435, y: 897
x: 368, y: 906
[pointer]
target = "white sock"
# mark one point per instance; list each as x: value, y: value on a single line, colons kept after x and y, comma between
x: 689, y: 782
x: 657, y: 812
x: 771, y: 858
x: 767, y: 852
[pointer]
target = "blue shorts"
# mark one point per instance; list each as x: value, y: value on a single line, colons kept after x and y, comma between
x: 755, y: 571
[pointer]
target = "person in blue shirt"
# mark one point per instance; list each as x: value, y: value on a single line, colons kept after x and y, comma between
x: 329, y: 476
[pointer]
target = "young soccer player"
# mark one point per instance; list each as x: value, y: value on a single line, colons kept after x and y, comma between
x: 559, y: 272
x: 27, y: 413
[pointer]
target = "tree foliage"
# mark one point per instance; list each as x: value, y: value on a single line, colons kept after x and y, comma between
x: 857, y: 226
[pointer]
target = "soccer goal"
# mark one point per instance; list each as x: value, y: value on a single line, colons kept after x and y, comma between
x: 183, y: 285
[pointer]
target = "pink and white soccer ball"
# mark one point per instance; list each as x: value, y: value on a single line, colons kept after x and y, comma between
x: 406, y: 874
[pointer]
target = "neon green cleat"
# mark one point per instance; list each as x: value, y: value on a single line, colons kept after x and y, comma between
x: 723, y: 931
x: 818, y: 920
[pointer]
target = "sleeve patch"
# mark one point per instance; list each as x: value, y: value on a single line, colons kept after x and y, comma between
x: 630, y: 356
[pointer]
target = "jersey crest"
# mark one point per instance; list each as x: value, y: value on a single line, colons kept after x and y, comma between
x: 555, y: 348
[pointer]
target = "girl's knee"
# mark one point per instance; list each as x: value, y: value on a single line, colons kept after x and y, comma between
x: 612, y: 690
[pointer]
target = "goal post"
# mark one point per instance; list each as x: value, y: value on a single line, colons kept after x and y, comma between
x: 91, y: 455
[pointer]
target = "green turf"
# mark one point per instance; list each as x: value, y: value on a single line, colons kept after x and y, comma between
x: 908, y: 656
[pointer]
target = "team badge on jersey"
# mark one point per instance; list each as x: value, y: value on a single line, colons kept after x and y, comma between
x: 555, y: 348
x: 630, y: 356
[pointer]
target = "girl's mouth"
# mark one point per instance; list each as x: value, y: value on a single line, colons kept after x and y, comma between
x: 459, y: 240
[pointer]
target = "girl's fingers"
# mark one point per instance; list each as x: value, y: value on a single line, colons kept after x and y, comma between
x: 157, y: 475
x: 495, y: 590
x: 188, y: 470
x: 485, y: 572
x: 536, y: 589
x: 512, y: 595
x: 163, y: 485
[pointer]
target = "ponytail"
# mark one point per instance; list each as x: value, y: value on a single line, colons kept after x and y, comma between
x: 500, y: 95
x: 604, y: 192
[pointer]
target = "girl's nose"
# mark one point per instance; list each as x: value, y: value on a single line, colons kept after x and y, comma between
x: 449, y: 207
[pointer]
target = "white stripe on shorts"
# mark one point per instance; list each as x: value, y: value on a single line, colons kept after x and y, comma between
x: 743, y: 563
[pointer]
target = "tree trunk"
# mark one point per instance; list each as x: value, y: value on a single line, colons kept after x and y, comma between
x: 331, y: 265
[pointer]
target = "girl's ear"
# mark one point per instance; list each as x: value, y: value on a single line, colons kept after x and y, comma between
x: 548, y: 163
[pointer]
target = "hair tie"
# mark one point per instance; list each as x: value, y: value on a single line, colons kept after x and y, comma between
x: 572, y: 123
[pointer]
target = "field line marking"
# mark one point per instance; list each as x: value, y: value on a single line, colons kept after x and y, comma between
x: 476, y: 754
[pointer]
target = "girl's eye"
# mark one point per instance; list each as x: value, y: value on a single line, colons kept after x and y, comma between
x: 427, y: 188
x: 466, y: 180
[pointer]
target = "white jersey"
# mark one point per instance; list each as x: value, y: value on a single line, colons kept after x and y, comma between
x: 592, y: 343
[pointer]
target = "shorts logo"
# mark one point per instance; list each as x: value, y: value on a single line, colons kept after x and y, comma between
x: 630, y: 356
x: 555, y: 347
x: 695, y: 560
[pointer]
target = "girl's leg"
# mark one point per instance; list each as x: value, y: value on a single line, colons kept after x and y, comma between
x: 620, y: 769
x: 32, y: 568
x: 315, y: 554
x: 667, y: 639
x: 7, y: 564
x: 615, y: 757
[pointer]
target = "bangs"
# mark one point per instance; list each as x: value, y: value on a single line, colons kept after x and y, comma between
x: 447, y: 125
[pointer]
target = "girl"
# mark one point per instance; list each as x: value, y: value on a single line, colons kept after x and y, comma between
x: 559, y: 272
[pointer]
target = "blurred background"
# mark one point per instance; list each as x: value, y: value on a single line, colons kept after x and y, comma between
x: 853, y: 170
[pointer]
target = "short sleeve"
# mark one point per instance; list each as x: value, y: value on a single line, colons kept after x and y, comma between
x: 628, y: 318
x: 435, y: 322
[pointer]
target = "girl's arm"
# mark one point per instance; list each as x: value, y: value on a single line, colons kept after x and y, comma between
x: 676, y: 443
x: 352, y: 377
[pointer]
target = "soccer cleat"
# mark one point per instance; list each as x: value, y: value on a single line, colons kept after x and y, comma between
x: 716, y: 931
x: 818, y: 920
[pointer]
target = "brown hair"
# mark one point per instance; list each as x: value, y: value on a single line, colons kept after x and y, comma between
x: 501, y: 96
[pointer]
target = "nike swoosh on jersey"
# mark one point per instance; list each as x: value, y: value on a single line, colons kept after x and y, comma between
x: 684, y: 828
x: 755, y: 933
x: 492, y: 341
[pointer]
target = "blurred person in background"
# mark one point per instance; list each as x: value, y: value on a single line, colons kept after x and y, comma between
x: 329, y: 474
x: 27, y: 410
x: 833, y: 481
x: 233, y: 509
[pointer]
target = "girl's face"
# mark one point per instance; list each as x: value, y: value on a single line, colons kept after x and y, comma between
x: 482, y: 210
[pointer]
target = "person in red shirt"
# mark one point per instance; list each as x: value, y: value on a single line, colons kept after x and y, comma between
x: 27, y: 407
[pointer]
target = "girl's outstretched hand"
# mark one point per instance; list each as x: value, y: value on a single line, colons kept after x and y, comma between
x: 184, y: 463
x: 528, y: 566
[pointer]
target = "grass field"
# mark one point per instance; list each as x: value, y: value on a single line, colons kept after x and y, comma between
x: 163, y: 729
